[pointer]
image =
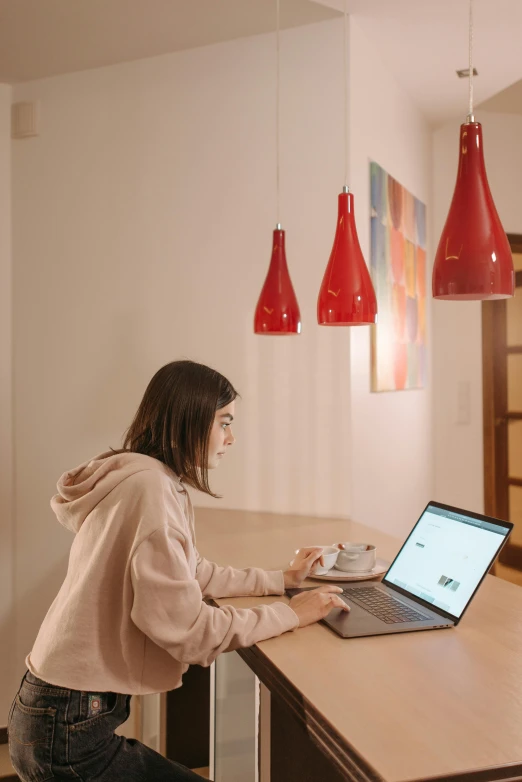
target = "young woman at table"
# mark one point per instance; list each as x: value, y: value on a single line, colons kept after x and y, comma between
x: 130, y: 616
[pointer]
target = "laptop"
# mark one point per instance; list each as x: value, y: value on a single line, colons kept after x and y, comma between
x: 431, y: 581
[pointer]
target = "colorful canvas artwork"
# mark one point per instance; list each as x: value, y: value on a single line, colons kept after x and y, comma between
x: 398, y: 269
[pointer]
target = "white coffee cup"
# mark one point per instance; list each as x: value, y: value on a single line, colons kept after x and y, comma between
x: 356, y: 557
x: 329, y: 555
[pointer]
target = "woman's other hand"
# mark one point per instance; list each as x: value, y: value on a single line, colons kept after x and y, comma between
x: 301, y: 566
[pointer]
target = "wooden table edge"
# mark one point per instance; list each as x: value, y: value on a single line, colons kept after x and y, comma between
x: 330, y: 742
x: 336, y: 747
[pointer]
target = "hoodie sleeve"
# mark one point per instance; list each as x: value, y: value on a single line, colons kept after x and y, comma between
x: 216, y: 581
x: 168, y: 606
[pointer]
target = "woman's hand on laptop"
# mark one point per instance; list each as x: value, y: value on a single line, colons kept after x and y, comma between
x: 300, y: 567
x: 315, y: 604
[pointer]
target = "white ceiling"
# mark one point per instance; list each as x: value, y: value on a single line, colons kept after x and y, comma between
x: 422, y: 42
x: 41, y: 38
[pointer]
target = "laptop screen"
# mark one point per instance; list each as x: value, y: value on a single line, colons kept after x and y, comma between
x: 446, y: 556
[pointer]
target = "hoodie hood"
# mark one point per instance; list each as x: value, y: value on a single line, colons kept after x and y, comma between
x: 81, y: 489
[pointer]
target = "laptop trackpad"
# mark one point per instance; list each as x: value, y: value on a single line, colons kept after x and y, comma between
x: 357, y: 620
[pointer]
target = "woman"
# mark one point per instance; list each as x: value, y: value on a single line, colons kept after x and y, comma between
x: 130, y: 616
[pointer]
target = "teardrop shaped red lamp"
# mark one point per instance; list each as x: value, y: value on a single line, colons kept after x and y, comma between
x: 277, y: 310
x: 473, y: 259
x: 347, y: 297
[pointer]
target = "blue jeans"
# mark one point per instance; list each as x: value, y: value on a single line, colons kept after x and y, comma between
x: 56, y: 733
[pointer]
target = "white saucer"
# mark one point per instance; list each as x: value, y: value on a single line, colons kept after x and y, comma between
x: 381, y: 566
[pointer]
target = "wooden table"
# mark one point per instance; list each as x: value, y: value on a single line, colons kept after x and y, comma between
x: 441, y: 704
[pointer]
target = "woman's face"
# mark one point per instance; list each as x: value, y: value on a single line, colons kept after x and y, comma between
x: 220, y: 435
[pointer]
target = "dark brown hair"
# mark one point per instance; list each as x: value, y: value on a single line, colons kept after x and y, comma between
x: 175, y: 417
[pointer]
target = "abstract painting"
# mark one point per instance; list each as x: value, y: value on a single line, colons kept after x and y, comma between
x: 398, y: 269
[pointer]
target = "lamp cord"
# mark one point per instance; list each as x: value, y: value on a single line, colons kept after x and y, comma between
x: 278, y: 90
x: 345, y: 71
x: 470, y: 112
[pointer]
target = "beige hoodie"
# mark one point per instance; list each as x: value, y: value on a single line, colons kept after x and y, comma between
x: 130, y: 615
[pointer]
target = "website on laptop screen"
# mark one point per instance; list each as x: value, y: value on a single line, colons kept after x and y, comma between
x: 445, y: 558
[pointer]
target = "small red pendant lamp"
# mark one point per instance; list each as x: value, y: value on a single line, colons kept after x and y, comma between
x: 473, y: 259
x: 346, y: 296
x: 277, y: 311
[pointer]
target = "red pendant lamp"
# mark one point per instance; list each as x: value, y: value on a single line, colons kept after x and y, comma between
x: 346, y: 297
x: 277, y: 310
x: 473, y: 259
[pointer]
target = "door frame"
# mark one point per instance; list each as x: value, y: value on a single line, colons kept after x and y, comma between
x: 495, y: 419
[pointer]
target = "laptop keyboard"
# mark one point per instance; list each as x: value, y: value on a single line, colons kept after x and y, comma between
x: 383, y: 606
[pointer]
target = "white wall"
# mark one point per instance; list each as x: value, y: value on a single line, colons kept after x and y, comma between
x: 143, y: 216
x: 392, y: 472
x: 6, y: 441
x: 457, y: 326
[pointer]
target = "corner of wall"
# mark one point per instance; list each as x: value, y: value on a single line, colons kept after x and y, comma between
x: 6, y: 417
